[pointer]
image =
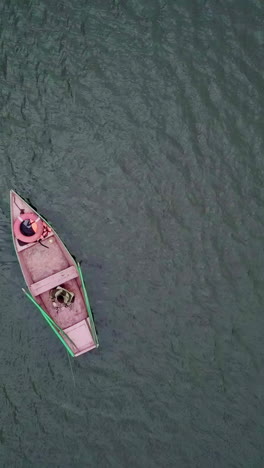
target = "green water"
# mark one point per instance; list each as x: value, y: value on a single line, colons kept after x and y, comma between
x: 136, y: 128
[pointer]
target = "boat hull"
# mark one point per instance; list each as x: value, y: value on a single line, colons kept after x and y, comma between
x: 47, y: 265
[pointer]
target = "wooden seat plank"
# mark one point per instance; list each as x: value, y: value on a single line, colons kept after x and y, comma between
x: 54, y: 280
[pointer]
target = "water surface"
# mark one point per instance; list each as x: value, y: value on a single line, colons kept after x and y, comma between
x: 137, y: 130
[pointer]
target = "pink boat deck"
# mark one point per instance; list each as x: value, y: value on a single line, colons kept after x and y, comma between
x: 47, y: 267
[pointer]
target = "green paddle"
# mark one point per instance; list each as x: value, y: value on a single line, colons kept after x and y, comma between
x: 51, y: 323
x: 95, y: 338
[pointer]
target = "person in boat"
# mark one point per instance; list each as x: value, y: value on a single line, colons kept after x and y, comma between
x: 29, y: 227
x: 61, y: 297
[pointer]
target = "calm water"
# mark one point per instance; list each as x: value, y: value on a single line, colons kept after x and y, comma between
x: 137, y: 129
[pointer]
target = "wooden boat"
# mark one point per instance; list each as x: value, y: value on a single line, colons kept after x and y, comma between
x: 53, y: 278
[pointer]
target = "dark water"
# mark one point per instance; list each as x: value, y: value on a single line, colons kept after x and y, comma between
x: 136, y: 128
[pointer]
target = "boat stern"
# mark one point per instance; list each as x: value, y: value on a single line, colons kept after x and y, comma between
x: 79, y: 338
